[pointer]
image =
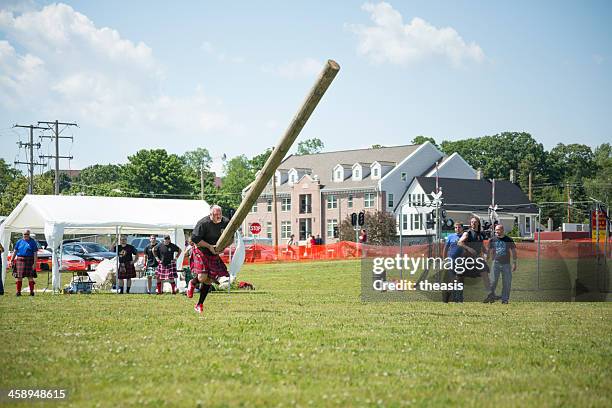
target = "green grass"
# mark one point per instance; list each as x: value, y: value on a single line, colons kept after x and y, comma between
x: 304, y: 338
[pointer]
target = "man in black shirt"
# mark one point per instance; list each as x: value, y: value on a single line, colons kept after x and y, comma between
x: 207, y: 265
x: 500, y: 248
x: 150, y: 262
x: 127, y: 257
x: 166, y: 268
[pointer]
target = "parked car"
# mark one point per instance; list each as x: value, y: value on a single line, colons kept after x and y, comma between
x: 91, y: 252
x: 140, y: 243
x: 73, y: 263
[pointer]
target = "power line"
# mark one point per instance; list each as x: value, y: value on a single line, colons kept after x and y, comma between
x: 31, y: 163
x: 57, y: 156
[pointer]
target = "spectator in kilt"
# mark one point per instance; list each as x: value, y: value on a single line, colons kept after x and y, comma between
x: 166, y: 268
x: 150, y: 262
x: 24, y: 261
x: 127, y: 257
x: 207, y: 264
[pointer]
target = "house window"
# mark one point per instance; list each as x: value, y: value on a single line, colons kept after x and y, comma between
x: 332, y: 228
x: 254, y: 208
x: 305, y: 228
x: 357, y: 173
x: 527, y: 225
x: 409, y: 200
x: 286, y: 204
x: 417, y: 221
x: 269, y: 229
x: 269, y: 205
x: 350, y: 201
x: 404, y: 222
x: 339, y: 175
x: 305, y: 204
x: 390, y: 201
x: 422, y: 199
x: 285, y: 229
x: 332, y: 202
x: 368, y: 201
x: 404, y: 176
x: 375, y: 172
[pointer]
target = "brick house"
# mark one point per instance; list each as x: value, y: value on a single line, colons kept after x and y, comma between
x: 316, y: 192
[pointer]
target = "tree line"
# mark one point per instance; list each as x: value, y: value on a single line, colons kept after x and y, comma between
x: 574, y: 169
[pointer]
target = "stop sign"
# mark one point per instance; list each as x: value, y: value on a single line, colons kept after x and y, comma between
x: 255, y: 228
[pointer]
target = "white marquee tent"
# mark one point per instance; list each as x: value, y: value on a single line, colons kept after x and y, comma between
x: 58, y: 215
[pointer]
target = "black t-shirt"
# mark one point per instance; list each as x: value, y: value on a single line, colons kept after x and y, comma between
x: 151, y: 260
x: 501, y: 248
x: 474, y: 241
x: 166, y: 252
x: 125, y: 253
x: 209, y: 232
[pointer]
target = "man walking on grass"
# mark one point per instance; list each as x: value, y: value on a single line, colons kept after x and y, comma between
x: 501, y: 247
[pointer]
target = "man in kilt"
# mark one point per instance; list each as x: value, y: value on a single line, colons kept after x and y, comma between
x: 127, y: 257
x: 25, y: 257
x: 166, y: 268
x: 150, y: 260
x: 206, y: 263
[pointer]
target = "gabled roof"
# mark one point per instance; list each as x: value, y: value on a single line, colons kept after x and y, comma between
x: 475, y: 195
x: 322, y: 164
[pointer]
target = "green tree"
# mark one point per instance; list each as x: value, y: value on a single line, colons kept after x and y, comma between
x: 18, y: 188
x: 100, y: 180
x: 380, y: 227
x: 156, y: 171
x: 194, y: 159
x: 257, y: 162
x: 7, y: 174
x: 310, y: 146
x: 600, y: 185
x: 238, y: 174
x: 422, y: 139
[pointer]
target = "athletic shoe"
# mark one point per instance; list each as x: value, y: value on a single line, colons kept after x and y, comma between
x: 31, y: 293
x: 18, y: 294
x: 489, y: 299
x: 504, y: 302
x: 190, y: 290
x: 198, y: 308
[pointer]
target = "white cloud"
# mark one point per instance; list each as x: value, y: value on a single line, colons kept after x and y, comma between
x: 303, y: 68
x: 67, y: 66
x: 390, y: 40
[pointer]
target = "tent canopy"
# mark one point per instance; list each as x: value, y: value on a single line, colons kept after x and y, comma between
x: 58, y: 215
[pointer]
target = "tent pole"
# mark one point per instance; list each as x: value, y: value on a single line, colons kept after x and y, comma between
x: 117, y: 259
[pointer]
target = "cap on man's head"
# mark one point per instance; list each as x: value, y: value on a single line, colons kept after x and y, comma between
x: 166, y: 236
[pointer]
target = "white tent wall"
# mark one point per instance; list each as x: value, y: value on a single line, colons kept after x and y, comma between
x: 58, y: 215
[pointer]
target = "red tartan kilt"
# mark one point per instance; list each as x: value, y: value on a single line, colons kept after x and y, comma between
x: 164, y: 272
x: 126, y: 271
x: 24, y: 267
x: 212, y: 265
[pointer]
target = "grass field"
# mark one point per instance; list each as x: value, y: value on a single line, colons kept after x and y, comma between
x: 304, y: 338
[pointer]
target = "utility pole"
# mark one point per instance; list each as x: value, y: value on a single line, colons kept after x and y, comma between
x: 530, y: 194
x: 202, y: 181
x: 57, y: 156
x: 30, y: 145
x: 569, y: 202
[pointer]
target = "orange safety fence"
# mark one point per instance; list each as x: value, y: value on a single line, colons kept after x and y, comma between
x: 260, y: 253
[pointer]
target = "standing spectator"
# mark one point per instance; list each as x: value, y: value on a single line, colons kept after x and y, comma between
x: 318, y: 240
x: 472, y: 242
x: 127, y: 257
x: 290, y: 244
x: 453, y: 251
x: 363, y: 237
x: 1, y: 283
x: 150, y: 262
x: 312, y: 242
x: 166, y: 269
x: 25, y: 257
x: 500, y: 248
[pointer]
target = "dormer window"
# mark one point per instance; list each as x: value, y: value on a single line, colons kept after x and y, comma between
x: 375, y: 172
x: 339, y: 175
x: 357, y: 173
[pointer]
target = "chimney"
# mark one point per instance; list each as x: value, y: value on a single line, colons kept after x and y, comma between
x: 479, y: 174
x: 512, y: 176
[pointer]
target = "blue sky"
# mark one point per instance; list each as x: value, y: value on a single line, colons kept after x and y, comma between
x: 229, y: 76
